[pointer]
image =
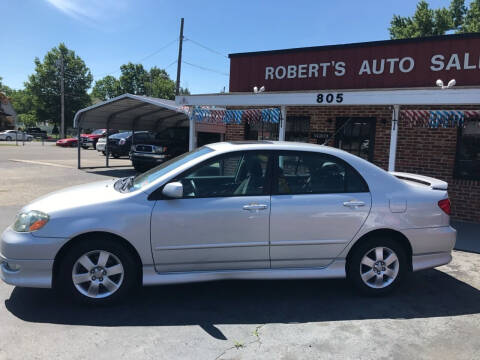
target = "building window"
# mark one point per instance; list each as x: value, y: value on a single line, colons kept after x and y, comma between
x: 467, y: 165
x: 297, y: 128
x: 261, y: 131
x: 356, y: 135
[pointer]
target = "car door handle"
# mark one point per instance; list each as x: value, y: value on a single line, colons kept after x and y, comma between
x: 353, y: 203
x: 254, y: 207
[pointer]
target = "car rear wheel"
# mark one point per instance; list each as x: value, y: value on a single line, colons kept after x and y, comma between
x: 8, y: 138
x: 377, y: 266
x: 97, y: 271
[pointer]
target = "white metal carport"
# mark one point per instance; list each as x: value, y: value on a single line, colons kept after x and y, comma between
x: 393, y: 97
x: 129, y: 112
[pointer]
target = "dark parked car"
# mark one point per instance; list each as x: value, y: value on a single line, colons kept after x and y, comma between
x: 159, y: 147
x: 36, y: 132
x: 120, y: 144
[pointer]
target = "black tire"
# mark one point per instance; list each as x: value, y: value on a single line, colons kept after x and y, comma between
x: 116, y: 156
x: 95, y: 145
x: 103, y: 152
x: 65, y: 270
x: 8, y: 138
x: 355, y: 268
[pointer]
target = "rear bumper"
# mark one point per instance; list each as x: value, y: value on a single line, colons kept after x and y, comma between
x: 431, y: 247
x: 427, y: 261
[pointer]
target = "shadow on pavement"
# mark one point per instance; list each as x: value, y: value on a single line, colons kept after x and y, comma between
x: 430, y: 293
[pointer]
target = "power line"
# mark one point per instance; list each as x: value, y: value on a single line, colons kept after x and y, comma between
x: 206, y: 47
x: 205, y: 68
x: 142, y: 59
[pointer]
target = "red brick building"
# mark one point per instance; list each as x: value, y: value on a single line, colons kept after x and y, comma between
x: 347, y: 94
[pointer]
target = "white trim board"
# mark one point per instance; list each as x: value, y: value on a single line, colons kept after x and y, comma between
x: 373, y: 97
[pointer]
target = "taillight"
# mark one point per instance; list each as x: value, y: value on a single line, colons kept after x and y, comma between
x: 445, y: 206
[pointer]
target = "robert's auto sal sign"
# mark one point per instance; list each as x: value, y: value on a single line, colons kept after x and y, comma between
x: 386, y: 64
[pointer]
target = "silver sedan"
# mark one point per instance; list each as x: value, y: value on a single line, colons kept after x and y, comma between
x: 251, y: 210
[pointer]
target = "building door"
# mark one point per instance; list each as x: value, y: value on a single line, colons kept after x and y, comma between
x: 356, y: 135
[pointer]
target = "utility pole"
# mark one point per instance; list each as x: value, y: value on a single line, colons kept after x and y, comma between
x: 62, y: 98
x: 179, y: 63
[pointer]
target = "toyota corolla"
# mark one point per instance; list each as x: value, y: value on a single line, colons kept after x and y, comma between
x: 251, y: 210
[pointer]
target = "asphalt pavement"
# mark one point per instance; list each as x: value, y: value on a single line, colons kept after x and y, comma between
x: 434, y: 315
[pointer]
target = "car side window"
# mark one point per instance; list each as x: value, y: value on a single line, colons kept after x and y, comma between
x: 234, y: 174
x: 316, y: 173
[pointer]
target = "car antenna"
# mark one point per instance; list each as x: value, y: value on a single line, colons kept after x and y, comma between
x: 338, y: 130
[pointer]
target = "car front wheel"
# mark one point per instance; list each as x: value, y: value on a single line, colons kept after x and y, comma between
x: 97, y: 271
x: 377, y: 266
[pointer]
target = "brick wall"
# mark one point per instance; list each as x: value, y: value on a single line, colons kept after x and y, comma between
x: 235, y: 132
x: 423, y: 151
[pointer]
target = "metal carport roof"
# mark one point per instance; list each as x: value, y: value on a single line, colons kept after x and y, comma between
x: 132, y: 112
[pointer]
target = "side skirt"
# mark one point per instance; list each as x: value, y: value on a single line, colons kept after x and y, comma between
x: 335, y: 270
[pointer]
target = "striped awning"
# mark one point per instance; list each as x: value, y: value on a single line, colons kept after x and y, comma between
x: 438, y: 118
x: 222, y: 116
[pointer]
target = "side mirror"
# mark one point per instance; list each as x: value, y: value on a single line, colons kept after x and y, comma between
x: 173, y: 190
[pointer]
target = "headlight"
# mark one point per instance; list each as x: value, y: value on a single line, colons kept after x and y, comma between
x: 30, y: 221
x: 122, y: 142
x: 159, y: 149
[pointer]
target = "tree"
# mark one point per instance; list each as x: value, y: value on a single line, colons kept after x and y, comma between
x: 472, y: 18
x: 135, y: 79
x: 425, y: 22
x: 429, y: 22
x: 106, y: 88
x: 44, y: 85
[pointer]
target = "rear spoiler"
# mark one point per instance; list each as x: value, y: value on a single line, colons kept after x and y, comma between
x: 435, y: 184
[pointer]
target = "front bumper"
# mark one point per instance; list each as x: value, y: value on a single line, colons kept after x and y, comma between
x: 27, y: 260
x: 26, y: 273
x: 148, y: 158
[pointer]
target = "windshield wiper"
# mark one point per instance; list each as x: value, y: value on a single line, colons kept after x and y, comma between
x: 127, y: 182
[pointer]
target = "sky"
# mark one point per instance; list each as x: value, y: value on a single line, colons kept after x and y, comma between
x: 109, y: 33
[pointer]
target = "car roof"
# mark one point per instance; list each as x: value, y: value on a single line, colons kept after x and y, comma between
x: 270, y: 145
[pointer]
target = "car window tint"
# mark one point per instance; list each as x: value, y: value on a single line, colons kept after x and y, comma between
x: 315, y: 173
x: 236, y: 174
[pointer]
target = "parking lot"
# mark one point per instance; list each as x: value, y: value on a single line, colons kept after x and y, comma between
x: 434, y: 315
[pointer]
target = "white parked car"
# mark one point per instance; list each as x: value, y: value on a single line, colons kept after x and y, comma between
x: 10, y: 135
x: 101, y: 145
x: 248, y: 210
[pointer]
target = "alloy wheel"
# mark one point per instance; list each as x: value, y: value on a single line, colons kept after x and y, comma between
x: 98, y: 274
x: 379, y: 267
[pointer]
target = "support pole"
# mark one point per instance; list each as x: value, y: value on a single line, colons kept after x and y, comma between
x: 192, y: 134
x: 179, y: 61
x: 393, y: 138
x: 283, y: 123
x: 62, y: 97
x: 78, y: 143
x: 107, y: 153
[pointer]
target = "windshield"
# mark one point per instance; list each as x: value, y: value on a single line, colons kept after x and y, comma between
x: 155, y: 173
x: 121, y: 135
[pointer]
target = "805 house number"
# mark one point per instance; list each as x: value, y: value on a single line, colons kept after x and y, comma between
x: 330, y: 98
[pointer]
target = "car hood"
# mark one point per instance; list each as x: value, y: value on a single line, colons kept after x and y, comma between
x: 95, y: 193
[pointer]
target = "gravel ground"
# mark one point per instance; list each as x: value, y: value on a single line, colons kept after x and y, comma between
x: 434, y: 315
